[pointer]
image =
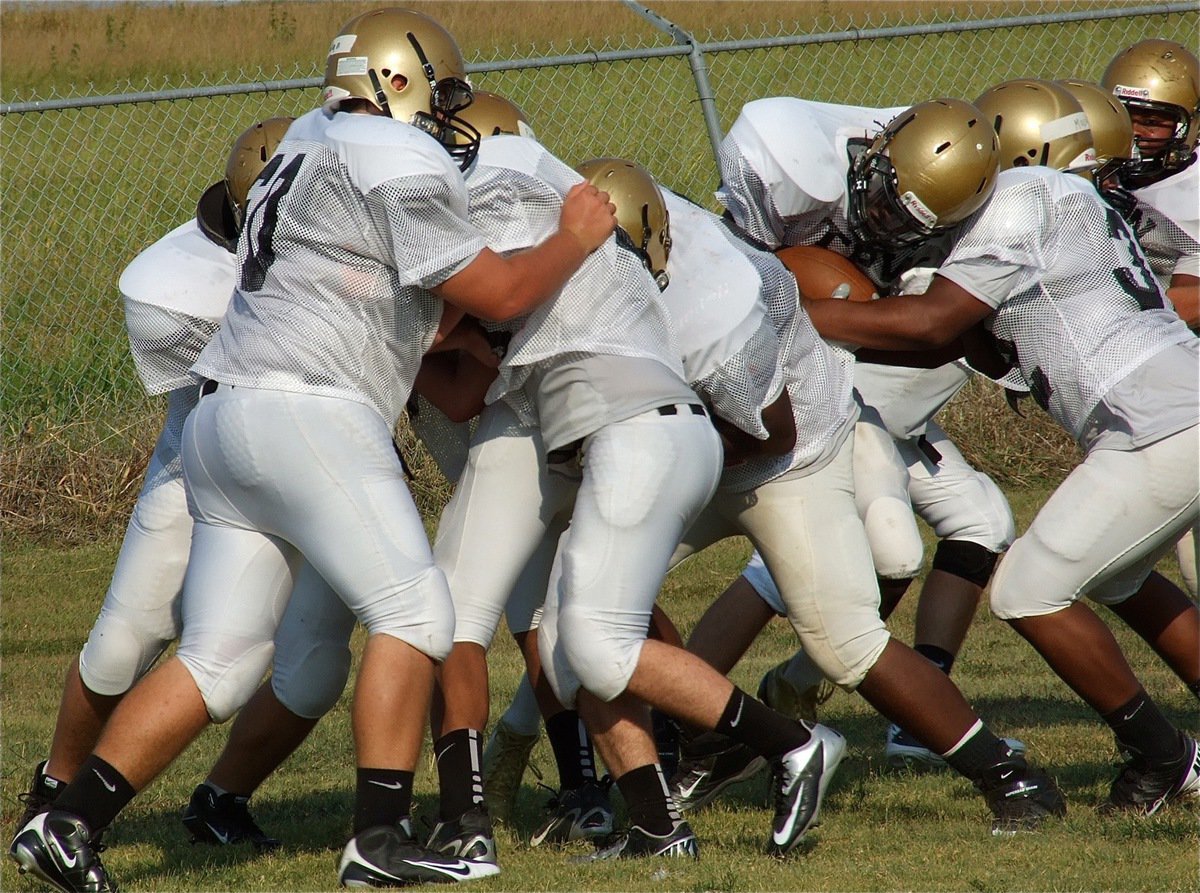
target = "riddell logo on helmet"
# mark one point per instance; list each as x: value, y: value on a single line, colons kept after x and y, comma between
x: 1131, y: 92
x: 918, y: 209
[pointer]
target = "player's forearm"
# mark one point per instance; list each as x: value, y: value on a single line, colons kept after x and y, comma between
x: 1185, y: 295
x: 538, y: 273
x: 886, y: 324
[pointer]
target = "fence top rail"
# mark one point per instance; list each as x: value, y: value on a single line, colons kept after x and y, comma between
x: 604, y: 56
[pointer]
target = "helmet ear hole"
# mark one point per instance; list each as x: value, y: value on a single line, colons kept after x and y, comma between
x: 399, y: 82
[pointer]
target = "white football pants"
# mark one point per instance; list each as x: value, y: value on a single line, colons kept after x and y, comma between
x: 645, y: 480
x: 809, y: 534
x: 1102, y: 531
x: 140, y: 616
x: 273, y: 478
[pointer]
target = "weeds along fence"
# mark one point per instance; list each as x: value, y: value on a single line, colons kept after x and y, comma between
x: 91, y: 180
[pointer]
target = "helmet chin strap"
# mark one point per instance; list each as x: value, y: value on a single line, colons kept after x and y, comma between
x: 380, y: 96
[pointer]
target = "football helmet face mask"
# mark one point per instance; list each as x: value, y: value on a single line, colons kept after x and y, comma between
x: 220, y: 210
x: 1112, y: 130
x: 1160, y: 78
x: 1039, y: 123
x: 930, y: 168
x: 491, y: 114
x: 407, y: 66
x: 642, y: 214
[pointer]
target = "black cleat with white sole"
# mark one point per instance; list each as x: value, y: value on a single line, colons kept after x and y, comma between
x: 59, y: 848
x: 578, y: 813
x: 708, y: 764
x: 223, y: 819
x: 800, y: 778
x: 468, y: 837
x: 389, y: 856
x: 1021, y: 798
x: 637, y: 843
x: 1145, y: 787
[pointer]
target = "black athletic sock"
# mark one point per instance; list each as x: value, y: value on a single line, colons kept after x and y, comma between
x: 760, y: 728
x: 572, y: 748
x: 459, y: 756
x: 647, y: 799
x: 978, y: 751
x: 381, y: 797
x: 1143, y: 730
x: 939, y: 657
x: 97, y: 794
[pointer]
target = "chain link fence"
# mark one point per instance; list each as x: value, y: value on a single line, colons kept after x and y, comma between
x: 89, y: 181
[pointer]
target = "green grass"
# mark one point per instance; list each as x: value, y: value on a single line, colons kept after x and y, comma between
x: 880, y: 831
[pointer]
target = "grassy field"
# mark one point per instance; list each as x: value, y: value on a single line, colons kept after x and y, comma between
x: 880, y: 831
x: 84, y: 191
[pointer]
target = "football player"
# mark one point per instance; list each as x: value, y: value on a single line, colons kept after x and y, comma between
x: 1059, y: 281
x: 356, y: 256
x: 1158, y: 81
x: 798, y: 509
x: 784, y: 169
x: 598, y: 373
x: 175, y: 293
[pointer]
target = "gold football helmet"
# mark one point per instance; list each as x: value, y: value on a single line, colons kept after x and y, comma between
x: 930, y: 168
x: 491, y: 114
x: 1039, y: 122
x: 409, y: 67
x: 641, y: 212
x: 1112, y: 130
x: 1164, y: 77
x: 221, y: 208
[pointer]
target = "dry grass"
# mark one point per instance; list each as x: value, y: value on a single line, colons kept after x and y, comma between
x: 68, y: 48
x: 77, y: 482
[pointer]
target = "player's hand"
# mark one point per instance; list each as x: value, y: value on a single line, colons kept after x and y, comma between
x: 588, y: 215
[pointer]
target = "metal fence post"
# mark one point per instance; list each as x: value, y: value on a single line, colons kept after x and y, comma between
x: 708, y: 103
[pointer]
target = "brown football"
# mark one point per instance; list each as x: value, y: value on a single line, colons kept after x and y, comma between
x: 819, y: 271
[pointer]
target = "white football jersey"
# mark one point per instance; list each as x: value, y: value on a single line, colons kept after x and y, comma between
x: 347, y: 227
x: 1168, y: 225
x: 1076, y: 304
x: 783, y: 180
x: 728, y: 345
x: 818, y: 379
x: 175, y: 294
x: 609, y: 307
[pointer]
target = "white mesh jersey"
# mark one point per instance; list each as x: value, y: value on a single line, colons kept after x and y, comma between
x: 1076, y: 305
x: 1168, y: 223
x: 175, y: 293
x: 817, y: 377
x: 783, y: 181
x: 349, y: 224
x: 608, y: 307
x: 728, y: 345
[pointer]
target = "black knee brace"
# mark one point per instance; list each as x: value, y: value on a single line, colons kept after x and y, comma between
x: 970, y: 561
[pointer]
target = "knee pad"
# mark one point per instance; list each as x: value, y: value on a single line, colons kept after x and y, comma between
x: 309, y: 684
x: 970, y: 561
x: 117, y: 654
x: 603, y: 664
x: 227, y: 688
x: 896, y: 546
